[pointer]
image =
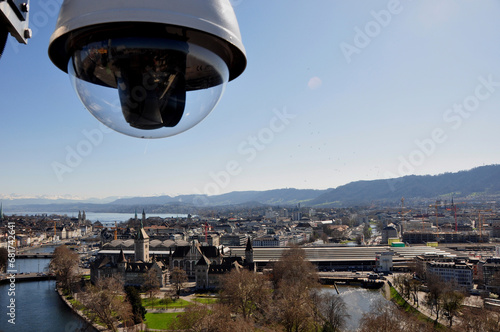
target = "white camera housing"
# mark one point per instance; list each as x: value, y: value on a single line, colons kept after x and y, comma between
x: 151, y: 68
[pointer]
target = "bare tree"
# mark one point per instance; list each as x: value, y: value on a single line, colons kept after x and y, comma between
x: 478, y: 320
x: 434, y: 298
x: 330, y: 311
x: 452, y: 303
x: 178, y: 278
x: 214, y: 318
x: 293, y: 278
x: 403, y: 282
x: 380, y: 318
x: 151, y: 285
x: 414, y: 289
x: 293, y: 307
x: 294, y: 268
x: 245, y: 292
x: 385, y: 316
x: 64, y: 264
x: 105, y: 302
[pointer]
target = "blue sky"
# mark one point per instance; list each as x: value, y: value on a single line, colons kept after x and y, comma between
x: 334, y: 92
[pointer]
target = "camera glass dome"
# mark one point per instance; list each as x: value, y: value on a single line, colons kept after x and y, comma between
x: 147, y: 87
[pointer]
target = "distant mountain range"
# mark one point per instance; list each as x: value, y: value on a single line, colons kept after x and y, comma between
x: 480, y: 182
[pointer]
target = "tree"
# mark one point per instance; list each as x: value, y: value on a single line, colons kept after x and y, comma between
x: 64, y: 264
x: 294, y: 278
x: 385, y: 316
x: 414, y: 289
x: 4, y: 254
x: 330, y: 311
x: 293, y: 307
x: 294, y: 268
x: 403, y: 283
x: 105, y: 302
x: 151, y: 285
x: 367, y: 231
x: 452, y: 303
x: 434, y: 298
x: 380, y: 318
x: 134, y: 298
x: 214, y: 318
x: 478, y: 320
x: 245, y: 292
x: 178, y: 278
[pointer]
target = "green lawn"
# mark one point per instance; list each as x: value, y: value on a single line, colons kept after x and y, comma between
x: 160, y: 321
x: 206, y: 300
x: 160, y: 304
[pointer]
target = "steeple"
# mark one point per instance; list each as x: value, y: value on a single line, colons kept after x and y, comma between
x: 143, y: 218
x: 1, y: 211
x: 121, y: 257
x: 249, y: 252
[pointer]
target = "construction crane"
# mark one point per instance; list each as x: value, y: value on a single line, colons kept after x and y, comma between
x: 481, y: 223
x: 116, y: 228
x: 454, y: 209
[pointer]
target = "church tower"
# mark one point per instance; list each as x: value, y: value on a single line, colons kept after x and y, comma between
x: 249, y: 252
x: 141, y: 245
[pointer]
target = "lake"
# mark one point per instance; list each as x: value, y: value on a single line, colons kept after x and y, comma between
x: 105, y: 218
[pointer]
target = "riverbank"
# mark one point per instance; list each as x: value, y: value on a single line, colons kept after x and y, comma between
x: 88, y: 322
x: 408, y: 306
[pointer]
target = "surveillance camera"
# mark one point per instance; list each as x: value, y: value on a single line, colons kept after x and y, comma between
x: 150, y: 68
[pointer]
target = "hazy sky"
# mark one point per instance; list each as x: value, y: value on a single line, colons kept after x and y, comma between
x: 334, y: 92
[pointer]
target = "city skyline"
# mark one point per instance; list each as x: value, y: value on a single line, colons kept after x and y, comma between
x: 333, y: 93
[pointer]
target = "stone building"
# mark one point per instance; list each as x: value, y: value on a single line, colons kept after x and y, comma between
x: 207, y: 272
x: 131, y: 272
x: 186, y: 257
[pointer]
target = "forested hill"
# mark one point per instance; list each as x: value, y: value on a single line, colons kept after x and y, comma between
x: 481, y: 182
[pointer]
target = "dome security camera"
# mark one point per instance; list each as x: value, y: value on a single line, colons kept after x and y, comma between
x: 151, y: 68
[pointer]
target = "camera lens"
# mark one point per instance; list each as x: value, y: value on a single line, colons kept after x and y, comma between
x: 147, y: 87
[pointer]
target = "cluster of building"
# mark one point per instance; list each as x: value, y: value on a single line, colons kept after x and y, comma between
x: 42, y: 229
x: 204, y: 246
x: 465, y: 273
x: 201, y: 263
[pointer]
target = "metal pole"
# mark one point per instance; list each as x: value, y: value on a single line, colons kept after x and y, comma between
x: 3, y: 40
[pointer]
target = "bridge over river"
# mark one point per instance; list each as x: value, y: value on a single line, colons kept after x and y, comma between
x: 31, y: 255
x: 5, y: 278
x: 366, y: 280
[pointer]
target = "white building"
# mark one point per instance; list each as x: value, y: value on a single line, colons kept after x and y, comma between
x: 384, y: 261
x: 460, y: 273
x: 269, y: 241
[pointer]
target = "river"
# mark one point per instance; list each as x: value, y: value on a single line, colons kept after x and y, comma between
x: 37, y: 308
